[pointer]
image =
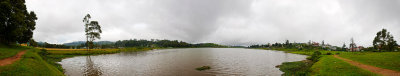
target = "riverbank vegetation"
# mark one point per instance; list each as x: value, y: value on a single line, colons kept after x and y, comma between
x: 383, y: 54
x: 9, y: 51
x: 30, y: 64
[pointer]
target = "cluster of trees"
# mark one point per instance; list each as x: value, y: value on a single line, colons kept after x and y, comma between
x: 384, y: 41
x: 161, y: 43
x: 48, y: 45
x: 16, y: 23
x: 128, y: 43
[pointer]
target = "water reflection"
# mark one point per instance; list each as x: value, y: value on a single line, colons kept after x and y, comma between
x: 90, y: 68
x: 180, y: 62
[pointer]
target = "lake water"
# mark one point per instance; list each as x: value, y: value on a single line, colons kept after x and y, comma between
x: 181, y: 62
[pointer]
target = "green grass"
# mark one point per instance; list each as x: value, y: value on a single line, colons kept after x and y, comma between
x: 331, y: 66
x: 298, y: 68
x: 31, y: 64
x: 387, y: 60
x: 9, y: 51
x: 304, y: 51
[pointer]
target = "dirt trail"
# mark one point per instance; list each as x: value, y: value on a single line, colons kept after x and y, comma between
x: 385, y: 72
x: 10, y: 60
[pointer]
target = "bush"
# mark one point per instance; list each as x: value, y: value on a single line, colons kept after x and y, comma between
x: 315, y: 56
x: 43, y: 52
x: 329, y: 53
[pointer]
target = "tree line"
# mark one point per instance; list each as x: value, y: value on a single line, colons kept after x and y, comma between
x: 383, y: 41
x: 161, y: 43
x: 130, y: 43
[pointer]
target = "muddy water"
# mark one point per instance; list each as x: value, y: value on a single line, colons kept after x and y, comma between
x: 181, y: 62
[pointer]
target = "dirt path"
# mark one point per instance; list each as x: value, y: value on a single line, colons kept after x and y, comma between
x: 385, y: 72
x: 10, y: 60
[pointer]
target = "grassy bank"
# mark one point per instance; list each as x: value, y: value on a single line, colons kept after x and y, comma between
x: 386, y: 60
x: 327, y: 65
x: 298, y: 68
x: 9, y: 51
x: 31, y: 64
x: 331, y: 66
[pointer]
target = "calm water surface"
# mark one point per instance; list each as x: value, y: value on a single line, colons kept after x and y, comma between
x: 181, y: 62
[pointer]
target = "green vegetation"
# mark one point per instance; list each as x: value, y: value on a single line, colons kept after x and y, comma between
x: 83, y: 52
x: 31, y: 64
x: 9, y: 51
x: 384, y: 41
x: 92, y: 30
x: 298, y: 68
x: 162, y: 43
x: 387, y: 60
x: 330, y: 66
x: 16, y: 23
x: 203, y: 68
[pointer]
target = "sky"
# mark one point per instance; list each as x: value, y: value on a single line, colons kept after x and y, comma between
x: 227, y: 22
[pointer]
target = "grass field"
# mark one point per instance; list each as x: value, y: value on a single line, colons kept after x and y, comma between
x: 304, y: 51
x: 9, y: 51
x: 327, y: 64
x: 31, y: 64
x: 387, y: 60
x: 331, y: 66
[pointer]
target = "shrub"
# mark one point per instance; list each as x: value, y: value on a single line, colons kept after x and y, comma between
x: 329, y: 53
x: 43, y: 52
x: 315, y: 56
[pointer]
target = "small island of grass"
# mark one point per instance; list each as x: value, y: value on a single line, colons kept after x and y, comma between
x: 203, y: 68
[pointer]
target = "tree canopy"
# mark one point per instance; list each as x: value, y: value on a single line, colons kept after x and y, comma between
x: 16, y: 23
x: 384, y: 41
x: 92, y: 29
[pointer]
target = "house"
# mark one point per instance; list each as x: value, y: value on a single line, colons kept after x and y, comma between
x: 355, y: 49
x: 315, y: 44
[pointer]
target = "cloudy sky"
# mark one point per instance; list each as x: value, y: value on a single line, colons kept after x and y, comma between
x: 228, y: 22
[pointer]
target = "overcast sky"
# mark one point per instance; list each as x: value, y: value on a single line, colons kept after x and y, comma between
x: 228, y: 22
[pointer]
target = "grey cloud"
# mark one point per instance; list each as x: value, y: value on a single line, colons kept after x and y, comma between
x: 230, y: 22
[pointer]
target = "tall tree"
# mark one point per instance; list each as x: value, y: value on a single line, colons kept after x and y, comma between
x: 287, y: 42
x: 384, y: 41
x: 323, y: 42
x: 16, y: 23
x: 352, y: 45
x: 344, y: 47
x: 92, y: 30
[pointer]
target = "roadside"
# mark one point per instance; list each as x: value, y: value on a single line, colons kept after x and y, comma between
x: 10, y: 60
x: 385, y: 72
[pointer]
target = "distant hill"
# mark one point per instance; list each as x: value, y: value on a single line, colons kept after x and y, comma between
x: 76, y: 43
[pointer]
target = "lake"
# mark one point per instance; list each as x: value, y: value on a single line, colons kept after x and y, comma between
x: 181, y: 62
